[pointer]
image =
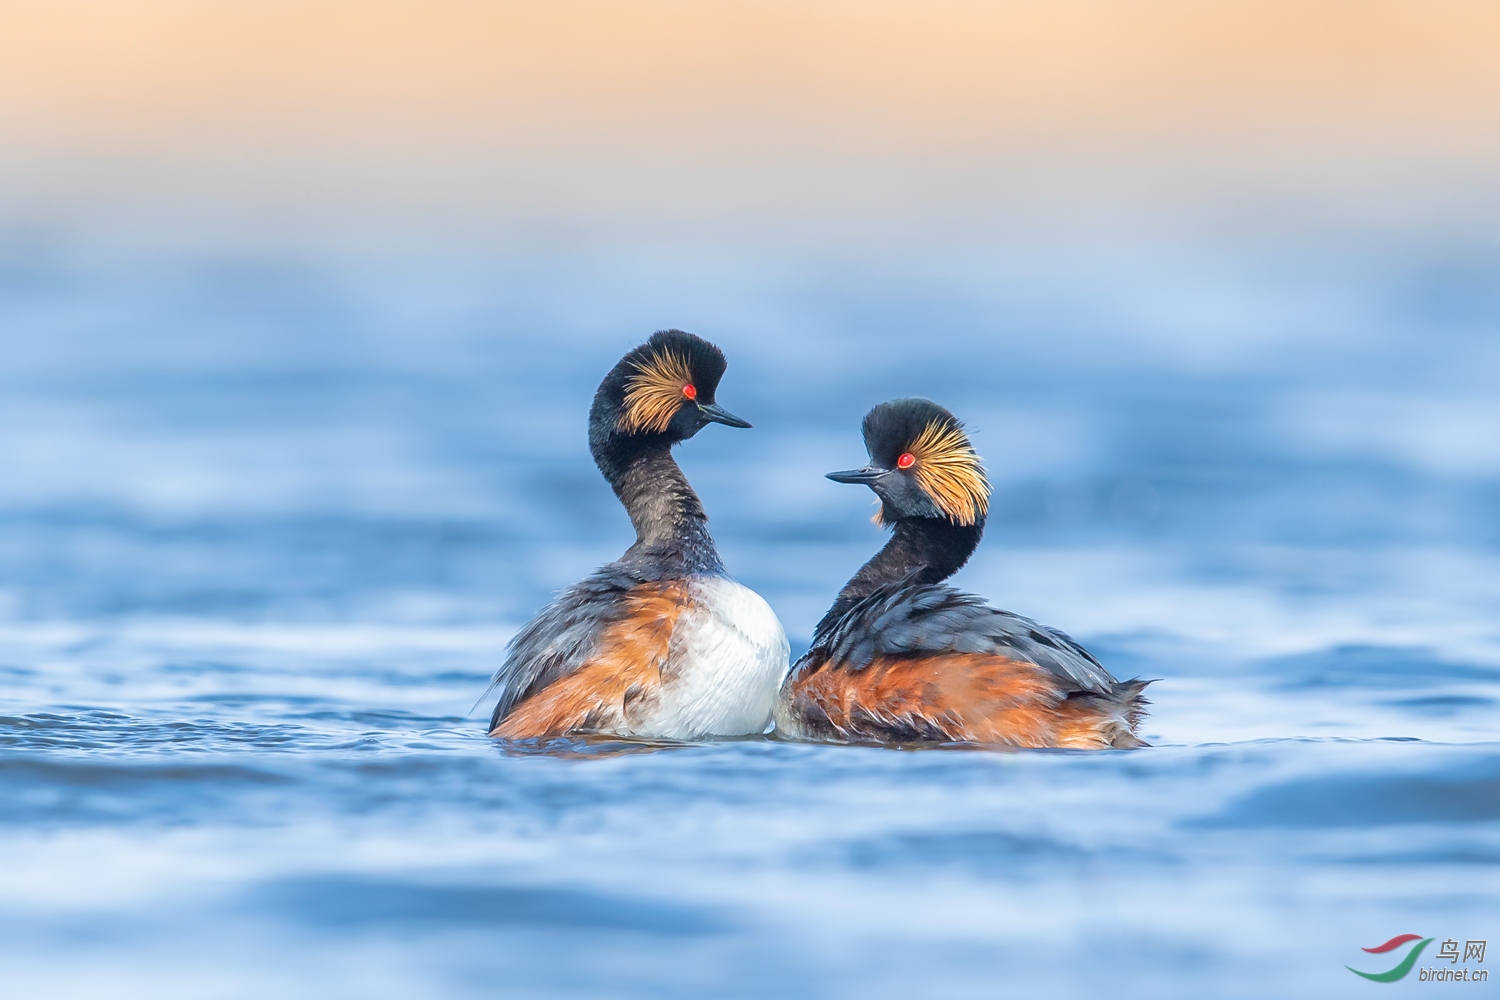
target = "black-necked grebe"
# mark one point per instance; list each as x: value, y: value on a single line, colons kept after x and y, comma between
x: 660, y: 644
x: 901, y: 657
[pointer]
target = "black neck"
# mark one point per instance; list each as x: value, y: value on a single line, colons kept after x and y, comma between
x: 921, y: 550
x: 671, y: 529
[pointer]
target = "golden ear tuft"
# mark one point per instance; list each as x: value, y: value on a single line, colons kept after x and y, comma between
x: 654, y: 392
x: 948, y: 468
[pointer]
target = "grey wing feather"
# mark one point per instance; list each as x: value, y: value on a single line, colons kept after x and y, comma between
x: 906, y: 619
x: 561, y: 638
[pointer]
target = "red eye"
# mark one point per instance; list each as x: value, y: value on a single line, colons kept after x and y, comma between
x: 690, y: 391
x: 906, y: 461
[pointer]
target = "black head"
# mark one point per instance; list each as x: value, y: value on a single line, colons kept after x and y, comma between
x: 663, y: 391
x: 921, y: 465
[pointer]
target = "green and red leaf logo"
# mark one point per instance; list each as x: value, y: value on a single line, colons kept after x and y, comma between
x: 1402, y: 967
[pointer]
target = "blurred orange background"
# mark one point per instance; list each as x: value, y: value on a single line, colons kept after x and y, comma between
x: 828, y: 125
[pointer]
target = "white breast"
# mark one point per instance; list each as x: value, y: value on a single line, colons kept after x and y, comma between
x: 727, y: 657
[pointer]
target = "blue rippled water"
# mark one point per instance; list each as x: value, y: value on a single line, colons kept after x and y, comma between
x: 266, y: 526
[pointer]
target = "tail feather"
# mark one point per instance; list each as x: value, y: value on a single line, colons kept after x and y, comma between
x: 1131, y: 703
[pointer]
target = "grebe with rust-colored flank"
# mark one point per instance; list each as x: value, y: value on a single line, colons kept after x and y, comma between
x: 902, y: 657
x: 660, y: 644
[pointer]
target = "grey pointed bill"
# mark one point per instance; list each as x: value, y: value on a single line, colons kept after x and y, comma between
x: 717, y: 414
x: 866, y: 475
